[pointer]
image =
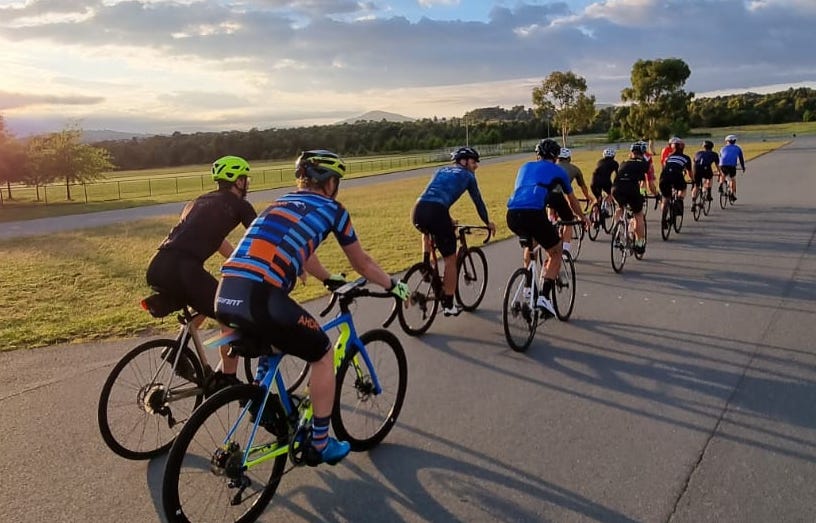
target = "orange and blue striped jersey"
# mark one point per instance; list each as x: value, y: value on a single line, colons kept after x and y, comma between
x: 285, y: 235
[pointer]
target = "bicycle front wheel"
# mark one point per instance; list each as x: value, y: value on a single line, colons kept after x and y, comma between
x: 577, y: 239
x: 206, y: 478
x: 472, y: 274
x: 418, y: 312
x: 697, y: 208
x: 564, y: 295
x: 362, y: 415
x: 618, y: 247
x: 594, y: 221
x: 519, y: 315
x: 666, y: 224
x: 143, y: 403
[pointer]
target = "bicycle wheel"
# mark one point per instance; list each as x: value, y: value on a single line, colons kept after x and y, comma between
x: 639, y: 255
x: 666, y: 223
x: 519, y: 317
x: 697, y: 206
x: 205, y: 478
x: 143, y: 404
x: 608, y: 221
x: 677, y: 222
x: 418, y: 312
x: 618, y: 247
x: 724, y: 197
x: 594, y: 222
x: 472, y: 274
x: 706, y: 203
x: 564, y: 290
x: 362, y: 416
x: 293, y: 369
x: 577, y: 239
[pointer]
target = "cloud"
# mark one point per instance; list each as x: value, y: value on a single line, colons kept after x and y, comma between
x: 17, y: 100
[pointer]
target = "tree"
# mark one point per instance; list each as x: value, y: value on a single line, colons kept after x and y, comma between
x: 563, y: 95
x: 12, y: 160
x: 62, y: 156
x: 660, y: 105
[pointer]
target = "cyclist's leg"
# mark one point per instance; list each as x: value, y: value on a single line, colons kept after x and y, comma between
x: 665, y: 193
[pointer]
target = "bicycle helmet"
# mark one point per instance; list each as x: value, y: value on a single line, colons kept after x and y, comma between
x: 708, y: 145
x: 637, y: 147
x: 229, y: 169
x: 731, y: 138
x: 609, y: 152
x: 319, y: 164
x: 468, y: 153
x: 565, y: 153
x: 675, y: 140
x: 548, y: 148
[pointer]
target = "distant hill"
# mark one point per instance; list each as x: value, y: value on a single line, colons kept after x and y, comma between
x: 101, y: 135
x: 377, y: 116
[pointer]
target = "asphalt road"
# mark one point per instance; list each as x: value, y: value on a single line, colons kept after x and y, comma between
x: 682, y: 390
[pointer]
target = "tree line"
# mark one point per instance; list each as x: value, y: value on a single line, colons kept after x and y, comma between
x: 654, y: 106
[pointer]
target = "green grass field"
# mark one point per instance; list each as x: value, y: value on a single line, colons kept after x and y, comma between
x: 84, y: 285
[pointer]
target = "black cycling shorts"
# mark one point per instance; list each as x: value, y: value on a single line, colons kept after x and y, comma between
x: 271, y: 317
x: 530, y: 223
x: 729, y: 170
x: 598, y: 188
x: 669, y: 181
x: 558, y: 202
x: 628, y: 193
x: 434, y: 219
x: 185, y: 278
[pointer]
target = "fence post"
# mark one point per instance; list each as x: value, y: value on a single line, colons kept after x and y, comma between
x: 176, y: 179
x: 45, y: 193
x: 119, y: 189
x: 202, y: 182
x: 85, y: 190
x: 149, y: 188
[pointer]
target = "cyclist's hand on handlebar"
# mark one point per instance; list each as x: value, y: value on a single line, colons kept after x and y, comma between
x: 335, y: 281
x: 399, y: 289
x: 492, y: 228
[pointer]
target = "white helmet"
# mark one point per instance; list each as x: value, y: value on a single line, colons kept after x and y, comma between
x: 731, y: 138
x: 609, y: 152
x: 565, y: 153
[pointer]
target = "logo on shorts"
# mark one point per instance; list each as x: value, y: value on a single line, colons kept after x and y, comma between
x: 308, y: 322
x: 229, y: 302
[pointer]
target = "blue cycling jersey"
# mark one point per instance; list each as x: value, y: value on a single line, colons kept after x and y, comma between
x: 730, y: 154
x: 449, y: 183
x: 534, y: 181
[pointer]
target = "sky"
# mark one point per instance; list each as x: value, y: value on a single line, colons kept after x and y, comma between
x: 159, y: 66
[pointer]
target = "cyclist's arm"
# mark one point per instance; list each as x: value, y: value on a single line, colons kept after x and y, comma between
x: 476, y: 196
x: 225, y: 249
x: 314, y: 267
x: 742, y: 160
x: 365, y: 265
x: 579, y: 177
x: 576, y: 206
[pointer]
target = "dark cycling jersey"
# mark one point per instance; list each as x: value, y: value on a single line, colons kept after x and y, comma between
x: 730, y: 155
x: 604, y: 170
x: 534, y: 181
x: 285, y: 235
x: 675, y: 165
x: 632, y: 171
x: 573, y: 171
x: 703, y: 161
x: 205, y: 222
x: 449, y: 183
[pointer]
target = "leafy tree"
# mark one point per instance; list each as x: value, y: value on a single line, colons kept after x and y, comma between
x: 563, y: 94
x: 12, y: 160
x: 62, y: 156
x: 660, y: 105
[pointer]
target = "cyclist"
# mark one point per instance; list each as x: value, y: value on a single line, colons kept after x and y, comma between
x: 558, y: 202
x: 673, y: 176
x: 602, y: 175
x: 648, y: 155
x: 178, y: 265
x: 527, y: 217
x: 627, y: 190
x: 703, y: 160
x: 669, y: 149
x: 730, y: 154
x: 431, y: 215
x: 265, y: 266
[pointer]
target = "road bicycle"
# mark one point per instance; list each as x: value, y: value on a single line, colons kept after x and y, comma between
x: 578, y: 233
x: 424, y: 281
x: 701, y: 203
x: 229, y: 458
x: 600, y: 217
x: 726, y: 194
x: 672, y: 216
x: 520, y: 316
x: 623, y: 240
x: 154, y: 388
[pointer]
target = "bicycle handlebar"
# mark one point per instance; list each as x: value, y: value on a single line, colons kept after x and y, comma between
x: 466, y: 229
x: 351, y: 291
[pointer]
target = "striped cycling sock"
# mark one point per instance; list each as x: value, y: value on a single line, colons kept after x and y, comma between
x: 320, y: 432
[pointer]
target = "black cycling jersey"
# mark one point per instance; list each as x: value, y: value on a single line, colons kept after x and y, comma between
x: 602, y: 174
x: 676, y: 165
x: 703, y: 161
x: 632, y: 171
x: 206, y: 221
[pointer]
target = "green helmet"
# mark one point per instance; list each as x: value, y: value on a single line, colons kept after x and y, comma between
x: 319, y: 165
x: 229, y: 169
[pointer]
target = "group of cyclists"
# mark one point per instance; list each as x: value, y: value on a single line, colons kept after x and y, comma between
x: 279, y: 245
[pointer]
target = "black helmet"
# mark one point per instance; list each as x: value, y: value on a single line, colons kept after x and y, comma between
x: 319, y: 164
x: 468, y: 153
x: 548, y: 148
x: 638, y: 148
x: 708, y: 145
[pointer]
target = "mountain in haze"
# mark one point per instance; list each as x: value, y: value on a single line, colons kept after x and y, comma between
x: 377, y: 116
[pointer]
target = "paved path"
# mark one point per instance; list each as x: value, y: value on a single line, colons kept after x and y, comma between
x: 681, y: 391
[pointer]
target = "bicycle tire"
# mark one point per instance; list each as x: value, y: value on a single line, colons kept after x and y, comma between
x: 564, y: 290
x: 594, y: 222
x: 422, y: 301
x: 608, y: 222
x: 120, y: 443
x: 618, y: 248
x: 293, y: 369
x: 706, y: 204
x: 577, y: 240
x: 205, y: 434
x: 677, y: 222
x: 355, y: 390
x: 639, y: 255
x: 724, y: 197
x: 517, y: 311
x: 469, y: 279
x: 666, y: 223
x: 697, y: 207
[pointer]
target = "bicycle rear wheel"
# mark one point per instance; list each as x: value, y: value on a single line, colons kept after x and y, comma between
x: 577, y: 240
x: 418, y: 312
x: 362, y: 416
x: 639, y: 255
x: 666, y: 222
x: 139, y: 415
x: 677, y: 222
x: 564, y: 290
x: 293, y: 369
x: 519, y: 316
x: 697, y: 206
x: 706, y: 202
x: 608, y: 221
x: 724, y: 197
x: 206, y: 479
x: 594, y: 222
x: 618, y: 247
x: 472, y: 274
